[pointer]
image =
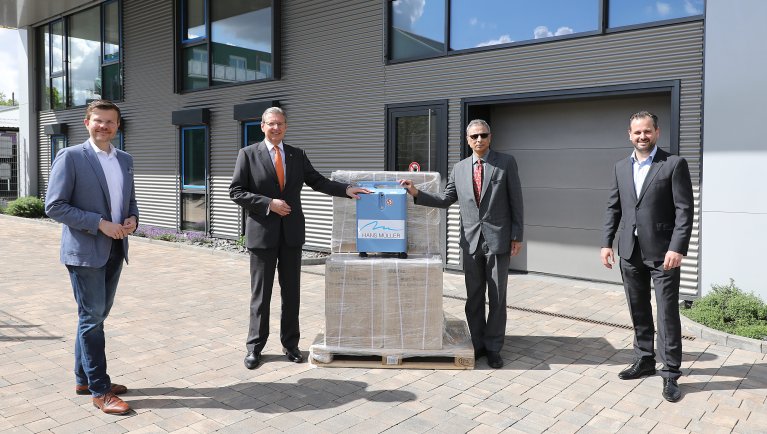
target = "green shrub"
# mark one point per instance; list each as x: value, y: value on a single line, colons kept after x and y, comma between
x: 731, y: 310
x: 29, y: 206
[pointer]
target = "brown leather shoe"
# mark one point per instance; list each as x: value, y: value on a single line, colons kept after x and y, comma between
x: 109, y: 403
x: 117, y: 389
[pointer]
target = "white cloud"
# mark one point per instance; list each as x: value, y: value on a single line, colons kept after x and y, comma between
x: 10, y: 46
x: 544, y: 32
x: 473, y: 21
x: 503, y: 39
x: 410, y: 9
x: 692, y: 9
x: 663, y: 8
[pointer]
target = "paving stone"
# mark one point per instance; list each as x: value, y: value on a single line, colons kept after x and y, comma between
x: 182, y: 359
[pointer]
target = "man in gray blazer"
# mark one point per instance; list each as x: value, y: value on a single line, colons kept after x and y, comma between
x: 650, y: 206
x: 267, y: 182
x: 487, y: 189
x: 91, y: 192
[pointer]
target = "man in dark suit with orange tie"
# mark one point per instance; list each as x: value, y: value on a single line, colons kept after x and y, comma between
x: 267, y: 182
x: 651, y: 208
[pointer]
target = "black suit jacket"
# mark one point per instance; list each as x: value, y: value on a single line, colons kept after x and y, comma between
x: 254, y: 185
x: 662, y: 213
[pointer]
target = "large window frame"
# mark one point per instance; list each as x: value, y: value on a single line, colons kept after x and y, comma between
x: 48, y: 76
x: 204, y: 44
x: 189, y: 191
x: 603, y: 27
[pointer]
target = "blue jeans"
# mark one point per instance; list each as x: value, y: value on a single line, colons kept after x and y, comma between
x: 94, y: 290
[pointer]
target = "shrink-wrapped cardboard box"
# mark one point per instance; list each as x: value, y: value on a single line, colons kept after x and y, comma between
x: 383, y: 302
x: 423, y: 223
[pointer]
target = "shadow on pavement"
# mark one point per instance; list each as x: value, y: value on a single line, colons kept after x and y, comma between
x: 305, y: 395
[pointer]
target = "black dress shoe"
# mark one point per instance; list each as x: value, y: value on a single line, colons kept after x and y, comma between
x: 294, y: 354
x: 478, y: 354
x: 638, y: 369
x: 494, y: 360
x: 671, y: 390
x: 252, y: 360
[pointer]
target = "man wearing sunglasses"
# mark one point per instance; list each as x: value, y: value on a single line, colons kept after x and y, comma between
x: 487, y: 189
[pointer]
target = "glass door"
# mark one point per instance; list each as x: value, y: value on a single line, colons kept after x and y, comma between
x: 416, y: 138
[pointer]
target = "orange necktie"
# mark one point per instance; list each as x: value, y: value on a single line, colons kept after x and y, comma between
x: 278, y: 167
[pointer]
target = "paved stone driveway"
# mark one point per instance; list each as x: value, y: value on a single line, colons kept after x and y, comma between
x: 175, y: 337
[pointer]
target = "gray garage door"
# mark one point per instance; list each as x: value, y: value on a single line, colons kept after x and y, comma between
x: 566, y: 152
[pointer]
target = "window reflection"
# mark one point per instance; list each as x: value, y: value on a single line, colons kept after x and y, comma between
x: 507, y: 21
x: 111, y: 32
x: 417, y: 28
x: 624, y: 12
x: 194, y: 16
x: 241, y: 41
x: 57, y: 47
x: 84, y: 56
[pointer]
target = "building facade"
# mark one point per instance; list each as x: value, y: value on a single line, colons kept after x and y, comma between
x: 375, y: 85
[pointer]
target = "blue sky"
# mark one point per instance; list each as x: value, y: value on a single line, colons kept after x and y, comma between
x: 477, y: 23
x: 10, y: 46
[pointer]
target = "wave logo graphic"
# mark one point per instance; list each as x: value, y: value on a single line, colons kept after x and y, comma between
x: 381, y: 229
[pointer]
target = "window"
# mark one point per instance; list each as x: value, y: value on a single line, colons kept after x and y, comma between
x: 118, y: 141
x: 417, y: 32
x: 194, y: 187
x: 251, y: 133
x: 225, y: 43
x: 80, y: 58
x: 429, y: 28
x: 416, y: 137
x: 58, y: 142
x: 624, y: 13
x: 503, y: 21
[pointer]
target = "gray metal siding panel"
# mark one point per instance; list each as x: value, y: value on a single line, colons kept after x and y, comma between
x: 335, y: 86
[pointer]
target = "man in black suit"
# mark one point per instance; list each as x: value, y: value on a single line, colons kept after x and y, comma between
x: 651, y: 208
x: 267, y: 182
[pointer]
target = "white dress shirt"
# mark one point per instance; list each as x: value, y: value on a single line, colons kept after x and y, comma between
x: 114, y: 175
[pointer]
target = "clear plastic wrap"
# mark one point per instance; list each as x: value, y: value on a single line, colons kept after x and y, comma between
x: 375, y: 303
x: 423, y: 223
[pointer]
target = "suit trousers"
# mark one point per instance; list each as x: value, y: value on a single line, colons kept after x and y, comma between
x: 486, y: 272
x: 263, y: 263
x: 94, y: 291
x: 637, y: 274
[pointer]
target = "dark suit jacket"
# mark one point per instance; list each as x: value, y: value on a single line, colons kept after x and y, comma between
x: 254, y: 184
x: 662, y: 214
x: 78, y: 197
x: 499, y: 216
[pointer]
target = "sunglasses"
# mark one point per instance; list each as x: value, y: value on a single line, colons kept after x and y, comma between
x: 483, y: 135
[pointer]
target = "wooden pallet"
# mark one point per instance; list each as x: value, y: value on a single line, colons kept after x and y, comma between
x: 457, y: 353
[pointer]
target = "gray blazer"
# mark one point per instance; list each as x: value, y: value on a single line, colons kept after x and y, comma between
x: 78, y: 197
x: 499, y: 216
x: 662, y: 214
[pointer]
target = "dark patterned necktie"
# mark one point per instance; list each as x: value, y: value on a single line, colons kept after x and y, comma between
x: 477, y: 180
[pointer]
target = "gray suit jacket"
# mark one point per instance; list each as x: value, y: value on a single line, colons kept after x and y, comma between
x: 499, y: 216
x: 78, y: 197
x: 254, y: 185
x: 662, y: 214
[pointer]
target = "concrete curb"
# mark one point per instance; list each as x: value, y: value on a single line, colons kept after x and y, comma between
x: 721, y: 338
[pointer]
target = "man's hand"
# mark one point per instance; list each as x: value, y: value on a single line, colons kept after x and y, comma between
x: 408, y: 184
x: 608, y: 257
x: 130, y: 224
x: 672, y: 260
x: 113, y: 230
x: 516, y: 247
x: 353, y: 192
x: 280, y: 207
